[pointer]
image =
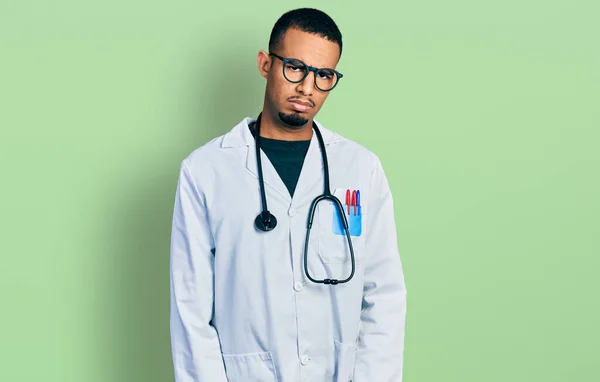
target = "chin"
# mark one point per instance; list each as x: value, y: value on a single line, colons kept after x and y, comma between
x: 294, y: 119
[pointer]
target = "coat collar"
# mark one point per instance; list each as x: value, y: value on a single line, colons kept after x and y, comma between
x: 311, y: 175
x: 240, y: 135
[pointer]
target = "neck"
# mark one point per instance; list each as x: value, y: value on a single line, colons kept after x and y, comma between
x: 272, y: 127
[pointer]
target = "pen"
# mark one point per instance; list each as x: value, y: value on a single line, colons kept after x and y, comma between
x: 348, y: 200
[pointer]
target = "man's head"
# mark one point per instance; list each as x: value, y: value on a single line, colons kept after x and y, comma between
x: 311, y: 36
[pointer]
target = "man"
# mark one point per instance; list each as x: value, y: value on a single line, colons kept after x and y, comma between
x: 253, y: 297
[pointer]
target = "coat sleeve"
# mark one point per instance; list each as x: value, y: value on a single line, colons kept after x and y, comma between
x: 381, y: 338
x: 194, y: 341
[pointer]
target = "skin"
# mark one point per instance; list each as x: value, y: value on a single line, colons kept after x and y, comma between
x: 314, y: 50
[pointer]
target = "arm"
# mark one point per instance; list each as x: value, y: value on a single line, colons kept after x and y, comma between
x: 381, y: 338
x: 195, y: 344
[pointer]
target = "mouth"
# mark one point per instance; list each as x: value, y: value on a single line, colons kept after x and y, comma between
x: 300, y: 105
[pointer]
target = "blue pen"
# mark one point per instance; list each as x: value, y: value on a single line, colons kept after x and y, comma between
x: 358, y: 200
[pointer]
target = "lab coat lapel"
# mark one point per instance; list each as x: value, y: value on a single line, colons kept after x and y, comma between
x: 270, y: 176
x: 310, y: 182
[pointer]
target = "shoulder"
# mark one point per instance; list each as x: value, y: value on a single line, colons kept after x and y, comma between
x: 342, y: 145
x: 204, y: 155
x: 213, y: 154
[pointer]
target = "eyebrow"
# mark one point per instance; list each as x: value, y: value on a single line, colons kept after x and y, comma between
x: 314, y: 66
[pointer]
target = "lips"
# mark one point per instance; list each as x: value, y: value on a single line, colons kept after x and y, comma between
x: 300, y: 105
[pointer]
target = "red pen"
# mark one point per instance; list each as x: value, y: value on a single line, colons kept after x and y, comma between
x: 354, y: 200
x: 348, y: 200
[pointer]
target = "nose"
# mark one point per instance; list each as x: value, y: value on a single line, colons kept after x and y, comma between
x: 307, y: 85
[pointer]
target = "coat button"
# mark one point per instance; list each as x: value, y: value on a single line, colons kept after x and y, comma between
x: 304, y: 360
x: 297, y: 287
x: 292, y: 212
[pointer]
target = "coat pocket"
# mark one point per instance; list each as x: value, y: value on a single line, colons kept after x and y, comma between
x: 345, y: 358
x: 255, y: 367
x: 333, y: 246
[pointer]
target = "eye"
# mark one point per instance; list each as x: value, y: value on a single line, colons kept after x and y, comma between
x: 326, y: 74
x: 295, y: 65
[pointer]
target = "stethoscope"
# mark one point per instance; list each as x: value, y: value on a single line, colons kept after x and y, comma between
x: 266, y: 221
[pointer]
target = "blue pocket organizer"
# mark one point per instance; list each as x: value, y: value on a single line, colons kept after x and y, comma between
x: 354, y: 221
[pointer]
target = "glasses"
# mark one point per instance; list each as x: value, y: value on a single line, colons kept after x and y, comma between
x: 295, y: 71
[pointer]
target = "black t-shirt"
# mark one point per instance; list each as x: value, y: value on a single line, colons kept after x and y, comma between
x: 286, y: 156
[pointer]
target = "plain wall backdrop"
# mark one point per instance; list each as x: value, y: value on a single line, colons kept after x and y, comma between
x: 484, y: 113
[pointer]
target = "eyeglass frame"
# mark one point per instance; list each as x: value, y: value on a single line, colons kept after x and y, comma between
x: 309, y: 68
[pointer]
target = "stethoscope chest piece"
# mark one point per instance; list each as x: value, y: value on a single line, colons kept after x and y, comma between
x: 265, y: 221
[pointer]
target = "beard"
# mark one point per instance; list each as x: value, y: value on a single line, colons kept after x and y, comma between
x: 294, y: 120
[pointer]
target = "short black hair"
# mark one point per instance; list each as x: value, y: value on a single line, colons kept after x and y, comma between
x: 309, y: 20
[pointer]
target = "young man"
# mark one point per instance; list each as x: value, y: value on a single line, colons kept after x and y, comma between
x: 269, y: 282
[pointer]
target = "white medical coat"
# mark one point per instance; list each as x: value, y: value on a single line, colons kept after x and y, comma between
x: 242, y: 308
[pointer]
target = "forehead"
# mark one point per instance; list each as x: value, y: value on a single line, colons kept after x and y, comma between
x: 311, y: 48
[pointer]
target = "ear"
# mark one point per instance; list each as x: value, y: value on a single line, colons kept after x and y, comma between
x: 264, y: 62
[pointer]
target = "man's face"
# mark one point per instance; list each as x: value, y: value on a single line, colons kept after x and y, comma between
x: 295, y: 104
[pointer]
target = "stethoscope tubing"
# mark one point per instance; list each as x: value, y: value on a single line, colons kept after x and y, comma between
x: 266, y: 221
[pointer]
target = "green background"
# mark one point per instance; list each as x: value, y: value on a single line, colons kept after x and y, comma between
x: 484, y: 113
